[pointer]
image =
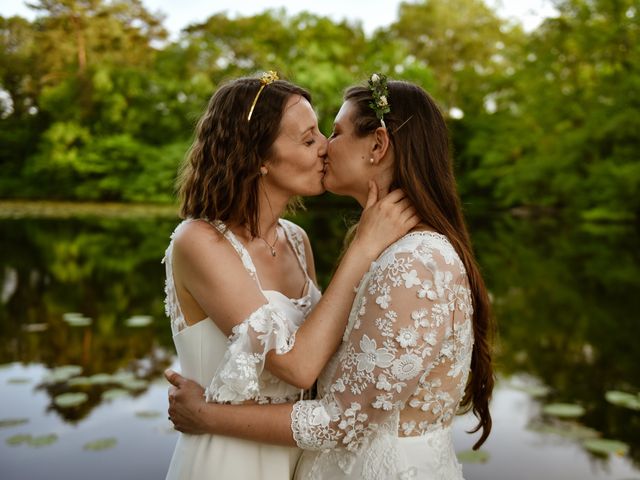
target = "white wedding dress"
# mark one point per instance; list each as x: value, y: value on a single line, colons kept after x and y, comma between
x: 232, y: 370
x: 387, y: 398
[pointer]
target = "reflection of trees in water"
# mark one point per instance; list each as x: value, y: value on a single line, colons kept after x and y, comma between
x: 107, y: 269
x: 566, y: 299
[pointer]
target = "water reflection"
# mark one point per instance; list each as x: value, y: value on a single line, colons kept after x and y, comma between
x: 566, y: 297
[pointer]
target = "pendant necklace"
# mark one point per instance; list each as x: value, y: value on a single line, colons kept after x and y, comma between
x: 271, y: 247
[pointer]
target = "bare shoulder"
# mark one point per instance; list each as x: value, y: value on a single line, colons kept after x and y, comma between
x: 197, y: 240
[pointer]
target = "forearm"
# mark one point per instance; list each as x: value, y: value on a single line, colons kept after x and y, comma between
x: 319, y: 336
x: 261, y: 423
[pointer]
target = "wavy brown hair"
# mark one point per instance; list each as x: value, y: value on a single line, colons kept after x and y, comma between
x: 423, y: 170
x: 219, y: 179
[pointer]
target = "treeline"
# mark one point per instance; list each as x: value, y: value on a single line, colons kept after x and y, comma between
x: 97, y: 104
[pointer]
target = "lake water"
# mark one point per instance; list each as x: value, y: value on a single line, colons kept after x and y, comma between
x: 81, y: 312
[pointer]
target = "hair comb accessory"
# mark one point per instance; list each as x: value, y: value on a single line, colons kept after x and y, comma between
x: 267, y: 78
x: 379, y: 92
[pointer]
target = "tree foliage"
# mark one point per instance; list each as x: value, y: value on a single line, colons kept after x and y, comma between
x: 96, y: 103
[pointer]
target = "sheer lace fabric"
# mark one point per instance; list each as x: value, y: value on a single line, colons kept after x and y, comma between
x: 241, y: 375
x: 403, y: 365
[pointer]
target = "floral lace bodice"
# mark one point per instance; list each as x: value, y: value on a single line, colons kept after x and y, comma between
x: 404, y: 362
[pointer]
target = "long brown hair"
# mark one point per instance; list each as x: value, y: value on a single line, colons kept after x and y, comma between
x: 423, y: 170
x: 220, y: 176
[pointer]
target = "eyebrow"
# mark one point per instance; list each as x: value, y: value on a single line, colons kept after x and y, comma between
x: 304, y: 132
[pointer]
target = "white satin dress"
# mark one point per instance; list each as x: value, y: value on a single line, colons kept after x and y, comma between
x: 232, y: 370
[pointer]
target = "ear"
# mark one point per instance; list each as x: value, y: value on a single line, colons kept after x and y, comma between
x: 380, y: 145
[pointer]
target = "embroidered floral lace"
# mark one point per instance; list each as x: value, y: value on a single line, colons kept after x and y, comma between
x: 404, y: 361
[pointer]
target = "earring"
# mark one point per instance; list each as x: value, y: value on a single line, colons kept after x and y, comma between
x: 371, y: 160
x: 263, y: 171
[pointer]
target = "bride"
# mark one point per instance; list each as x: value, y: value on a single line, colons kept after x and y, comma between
x: 416, y: 349
x: 246, y: 314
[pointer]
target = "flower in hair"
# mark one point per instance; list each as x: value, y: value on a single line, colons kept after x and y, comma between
x: 267, y: 78
x: 379, y: 92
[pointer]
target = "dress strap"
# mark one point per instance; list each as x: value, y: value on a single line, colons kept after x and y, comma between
x: 292, y: 231
x: 239, y: 248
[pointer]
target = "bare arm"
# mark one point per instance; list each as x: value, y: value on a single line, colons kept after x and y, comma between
x: 318, y: 338
x: 191, y: 414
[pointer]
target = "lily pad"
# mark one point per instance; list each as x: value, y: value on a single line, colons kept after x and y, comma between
x: 79, y: 381
x: 623, y: 399
x: 123, y: 377
x: 101, y: 378
x: 605, y: 446
x: 473, y: 456
x: 70, y: 399
x: 101, y: 444
x: 533, y: 390
x: 35, y: 327
x: 43, y: 440
x: 12, y: 422
x: 18, y: 439
x: 19, y: 380
x: 138, y: 321
x: 76, y: 319
x: 135, y: 384
x: 570, y: 430
x: 148, y: 414
x: 62, y: 374
x: 114, y: 393
x: 564, y: 410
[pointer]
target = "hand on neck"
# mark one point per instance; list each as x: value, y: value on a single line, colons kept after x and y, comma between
x: 383, y: 180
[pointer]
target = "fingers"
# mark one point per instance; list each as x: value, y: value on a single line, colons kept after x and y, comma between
x: 372, y: 196
x: 174, y: 377
x: 394, y: 196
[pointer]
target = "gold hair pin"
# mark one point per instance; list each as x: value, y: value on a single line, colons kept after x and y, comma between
x: 266, y: 79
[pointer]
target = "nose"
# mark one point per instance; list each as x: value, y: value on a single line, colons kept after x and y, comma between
x: 323, y: 143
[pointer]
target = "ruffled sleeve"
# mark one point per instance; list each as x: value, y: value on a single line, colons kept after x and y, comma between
x: 241, y: 375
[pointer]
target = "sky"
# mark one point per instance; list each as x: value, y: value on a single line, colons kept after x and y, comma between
x: 372, y: 13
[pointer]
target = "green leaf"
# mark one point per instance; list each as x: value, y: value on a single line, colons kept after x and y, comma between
x: 138, y: 321
x: 565, y: 410
x: 70, y: 399
x: 101, y: 444
x: 605, y: 446
x: 533, y: 390
x: 473, y: 456
x: 114, y: 393
x: 76, y: 319
x: 571, y: 430
x: 623, y: 399
x: 135, y: 384
x: 18, y: 439
x: 12, y: 422
x: 148, y: 414
x: 42, y: 440
x: 18, y: 380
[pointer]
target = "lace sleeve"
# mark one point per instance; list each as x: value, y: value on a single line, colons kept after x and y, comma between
x: 400, y: 334
x: 239, y: 376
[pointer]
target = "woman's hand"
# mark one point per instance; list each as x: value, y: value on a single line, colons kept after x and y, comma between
x: 383, y: 221
x: 186, y: 404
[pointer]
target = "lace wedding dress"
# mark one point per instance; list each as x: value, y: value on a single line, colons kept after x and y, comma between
x: 232, y: 369
x: 389, y: 395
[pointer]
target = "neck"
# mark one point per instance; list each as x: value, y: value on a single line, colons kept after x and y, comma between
x: 271, y: 205
x: 383, y: 181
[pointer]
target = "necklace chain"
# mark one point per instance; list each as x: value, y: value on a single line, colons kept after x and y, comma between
x: 272, y: 248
